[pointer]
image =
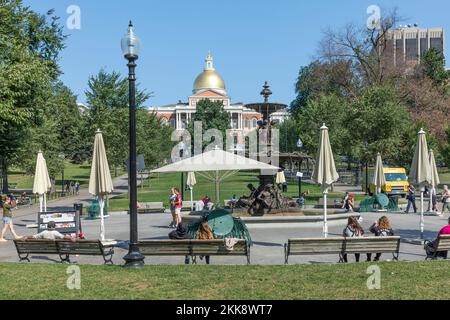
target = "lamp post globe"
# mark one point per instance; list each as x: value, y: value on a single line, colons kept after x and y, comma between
x: 130, y: 48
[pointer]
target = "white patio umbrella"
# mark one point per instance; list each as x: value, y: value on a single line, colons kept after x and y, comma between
x: 379, y: 180
x: 42, y: 181
x: 324, y: 172
x: 100, y: 182
x: 191, y: 182
x: 420, y: 172
x: 211, y: 164
x: 434, y: 178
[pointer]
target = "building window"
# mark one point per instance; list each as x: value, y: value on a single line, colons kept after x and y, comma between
x: 254, y: 123
x: 172, y: 123
x: 246, y: 123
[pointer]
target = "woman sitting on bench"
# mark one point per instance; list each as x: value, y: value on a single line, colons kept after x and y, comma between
x: 430, y: 246
x: 204, y: 233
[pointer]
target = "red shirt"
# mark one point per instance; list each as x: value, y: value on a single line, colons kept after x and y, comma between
x: 445, y: 230
x: 178, y: 202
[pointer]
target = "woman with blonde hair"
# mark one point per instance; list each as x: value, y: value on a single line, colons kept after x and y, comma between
x: 381, y: 228
x: 204, y: 232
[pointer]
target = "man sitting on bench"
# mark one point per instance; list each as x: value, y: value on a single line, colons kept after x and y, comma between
x: 50, y: 233
x: 431, y: 245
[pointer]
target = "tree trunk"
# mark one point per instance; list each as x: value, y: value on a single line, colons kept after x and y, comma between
x: 5, y: 186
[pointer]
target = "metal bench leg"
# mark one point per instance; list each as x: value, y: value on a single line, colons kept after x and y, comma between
x: 286, y: 254
x: 64, y: 258
x: 107, y: 257
x: 248, y: 255
x: 194, y: 259
x: 341, y: 257
x: 22, y: 258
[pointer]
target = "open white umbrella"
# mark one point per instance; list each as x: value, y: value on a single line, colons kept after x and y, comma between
x: 100, y: 182
x: 42, y: 181
x: 420, y: 173
x: 324, y: 172
x: 434, y: 178
x: 211, y: 163
x: 191, y: 182
x: 379, y: 180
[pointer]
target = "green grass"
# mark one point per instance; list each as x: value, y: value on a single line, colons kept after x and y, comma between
x: 72, y: 172
x: 180, y: 282
x: 157, y: 189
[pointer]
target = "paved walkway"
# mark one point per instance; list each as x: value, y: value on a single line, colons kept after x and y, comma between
x: 268, y: 238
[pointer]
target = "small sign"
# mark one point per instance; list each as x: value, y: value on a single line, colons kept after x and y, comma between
x: 299, y: 174
x: 299, y: 143
x: 67, y: 222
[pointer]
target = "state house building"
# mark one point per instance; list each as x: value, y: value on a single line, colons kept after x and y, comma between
x: 209, y: 85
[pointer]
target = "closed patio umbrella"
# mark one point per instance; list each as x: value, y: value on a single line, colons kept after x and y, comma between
x: 434, y: 178
x: 191, y: 182
x: 280, y: 178
x: 379, y: 180
x: 420, y: 172
x: 324, y: 172
x: 42, y: 181
x: 100, y: 182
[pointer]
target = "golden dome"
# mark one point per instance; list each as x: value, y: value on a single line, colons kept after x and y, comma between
x: 209, y: 78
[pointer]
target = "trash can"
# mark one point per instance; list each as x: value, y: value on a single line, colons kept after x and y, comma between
x: 94, y: 210
x: 78, y: 207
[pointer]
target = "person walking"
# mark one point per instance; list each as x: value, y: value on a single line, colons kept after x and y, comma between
x: 172, y: 199
x: 381, y: 228
x: 8, y: 204
x: 178, y: 205
x: 204, y: 232
x: 77, y: 187
x: 411, y: 199
x: 445, y: 200
x: 353, y: 230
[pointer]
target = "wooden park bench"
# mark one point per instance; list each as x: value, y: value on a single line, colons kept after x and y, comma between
x: 341, y: 246
x: 63, y: 248
x: 27, y: 247
x: 152, y: 207
x: 331, y: 202
x: 442, y: 245
x: 193, y: 248
x: 85, y: 248
x: 188, y: 205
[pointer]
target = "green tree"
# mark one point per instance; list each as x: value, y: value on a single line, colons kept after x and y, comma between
x: 29, y: 48
x: 433, y: 65
x: 212, y: 115
x: 378, y: 121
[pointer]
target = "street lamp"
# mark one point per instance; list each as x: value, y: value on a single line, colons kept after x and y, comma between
x: 299, y: 173
x: 130, y: 49
x: 63, y: 158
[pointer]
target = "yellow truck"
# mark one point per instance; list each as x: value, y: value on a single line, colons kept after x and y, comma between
x: 396, y: 182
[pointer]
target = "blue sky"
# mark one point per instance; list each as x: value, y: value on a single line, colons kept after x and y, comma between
x: 251, y: 40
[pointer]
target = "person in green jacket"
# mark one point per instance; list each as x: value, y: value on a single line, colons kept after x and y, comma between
x: 8, y: 205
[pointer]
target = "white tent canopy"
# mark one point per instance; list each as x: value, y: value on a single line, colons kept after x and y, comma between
x: 210, y: 163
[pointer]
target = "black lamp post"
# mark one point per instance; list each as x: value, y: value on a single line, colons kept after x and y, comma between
x: 130, y: 49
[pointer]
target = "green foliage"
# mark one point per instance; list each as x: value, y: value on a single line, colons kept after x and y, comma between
x: 330, y: 110
x: 212, y: 115
x: 433, y: 65
x: 446, y: 148
x: 378, y: 121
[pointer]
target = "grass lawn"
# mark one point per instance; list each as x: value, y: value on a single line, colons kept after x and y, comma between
x: 180, y: 282
x: 72, y: 172
x: 157, y: 189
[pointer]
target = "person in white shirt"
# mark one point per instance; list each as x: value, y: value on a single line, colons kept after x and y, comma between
x: 50, y: 233
x: 445, y: 200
